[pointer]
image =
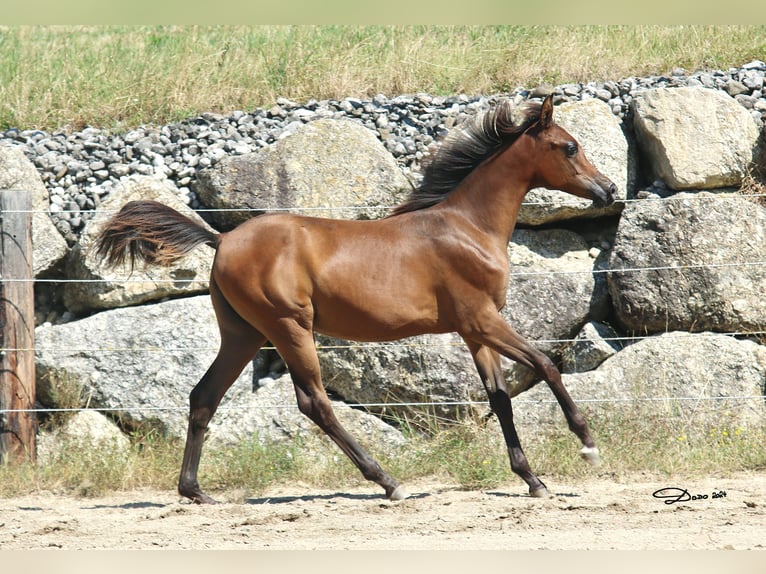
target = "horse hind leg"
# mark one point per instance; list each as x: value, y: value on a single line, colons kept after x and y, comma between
x: 239, y: 344
x: 203, y: 403
x: 317, y: 407
x: 303, y: 364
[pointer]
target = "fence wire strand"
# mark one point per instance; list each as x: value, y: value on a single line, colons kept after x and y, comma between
x: 363, y: 345
x: 320, y: 348
x: 411, y: 404
x: 720, y: 196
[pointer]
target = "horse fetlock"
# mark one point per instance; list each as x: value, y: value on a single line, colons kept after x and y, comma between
x: 196, y: 495
x: 203, y: 498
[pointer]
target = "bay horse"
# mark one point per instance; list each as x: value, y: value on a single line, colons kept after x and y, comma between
x: 437, y: 263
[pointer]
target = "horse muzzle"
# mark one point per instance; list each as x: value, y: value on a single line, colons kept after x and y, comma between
x: 604, y: 192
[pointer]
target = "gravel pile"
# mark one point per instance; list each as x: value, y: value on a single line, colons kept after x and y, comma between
x: 80, y: 168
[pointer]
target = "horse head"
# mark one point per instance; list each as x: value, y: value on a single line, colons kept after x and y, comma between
x: 561, y: 162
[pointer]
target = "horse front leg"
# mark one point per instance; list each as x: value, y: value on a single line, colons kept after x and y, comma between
x: 490, y: 371
x: 492, y: 331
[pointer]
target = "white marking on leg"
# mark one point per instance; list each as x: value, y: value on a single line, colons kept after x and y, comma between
x: 590, y: 454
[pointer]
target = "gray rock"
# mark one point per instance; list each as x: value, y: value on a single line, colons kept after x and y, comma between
x: 48, y: 245
x: 143, y: 362
x: 600, y: 135
x: 108, y: 288
x: 408, y: 380
x: 695, y: 138
x: 323, y: 167
x: 595, y: 343
x: 88, y: 430
x: 706, y: 380
x: 705, y: 254
x: 552, y: 292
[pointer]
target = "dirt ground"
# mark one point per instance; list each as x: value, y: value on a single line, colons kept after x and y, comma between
x: 581, y: 515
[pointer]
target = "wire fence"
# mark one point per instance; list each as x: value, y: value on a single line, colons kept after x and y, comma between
x: 381, y: 405
x: 718, y: 196
x: 622, y: 340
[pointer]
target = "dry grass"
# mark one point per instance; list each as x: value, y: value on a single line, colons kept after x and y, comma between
x: 118, y: 77
x: 470, y: 454
x: 754, y: 188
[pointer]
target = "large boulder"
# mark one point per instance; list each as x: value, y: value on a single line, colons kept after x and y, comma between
x: 706, y: 379
x: 412, y: 379
x: 48, y: 245
x: 601, y: 137
x: 325, y: 166
x: 96, y: 286
x: 142, y: 363
x: 695, y: 138
x: 692, y: 262
x: 552, y: 292
x: 552, y: 288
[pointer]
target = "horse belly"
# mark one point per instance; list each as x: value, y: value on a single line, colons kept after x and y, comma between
x: 371, y: 314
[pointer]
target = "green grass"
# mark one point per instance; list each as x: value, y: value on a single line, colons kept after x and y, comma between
x: 118, y: 77
x: 470, y: 455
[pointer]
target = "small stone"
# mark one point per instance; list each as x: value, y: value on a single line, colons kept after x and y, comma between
x: 119, y: 170
x: 735, y: 88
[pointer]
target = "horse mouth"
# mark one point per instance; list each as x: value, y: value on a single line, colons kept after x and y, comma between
x: 604, y: 195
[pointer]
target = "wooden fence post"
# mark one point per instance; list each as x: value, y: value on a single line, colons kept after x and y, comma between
x: 17, y: 328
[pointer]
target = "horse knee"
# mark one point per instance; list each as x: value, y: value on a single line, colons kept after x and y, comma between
x: 199, y: 419
x: 306, y: 405
x: 317, y: 408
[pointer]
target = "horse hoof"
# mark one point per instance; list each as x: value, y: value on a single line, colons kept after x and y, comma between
x: 590, y: 454
x: 400, y: 493
x: 202, y: 498
x: 541, y: 492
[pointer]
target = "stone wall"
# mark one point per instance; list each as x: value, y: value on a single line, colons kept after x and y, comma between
x: 660, y: 295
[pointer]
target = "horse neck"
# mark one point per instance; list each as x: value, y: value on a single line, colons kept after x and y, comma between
x: 491, y: 195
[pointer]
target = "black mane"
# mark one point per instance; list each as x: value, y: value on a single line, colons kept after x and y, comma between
x: 460, y: 153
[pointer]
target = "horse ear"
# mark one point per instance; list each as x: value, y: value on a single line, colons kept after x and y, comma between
x: 546, y: 112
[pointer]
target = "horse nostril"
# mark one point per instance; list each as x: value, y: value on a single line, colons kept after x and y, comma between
x: 611, y: 192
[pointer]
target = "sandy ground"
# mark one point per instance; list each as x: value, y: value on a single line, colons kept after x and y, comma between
x: 581, y: 515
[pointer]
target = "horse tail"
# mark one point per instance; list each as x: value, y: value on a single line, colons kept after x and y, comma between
x: 151, y: 232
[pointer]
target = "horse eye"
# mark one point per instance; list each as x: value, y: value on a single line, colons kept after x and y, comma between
x: 570, y: 149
